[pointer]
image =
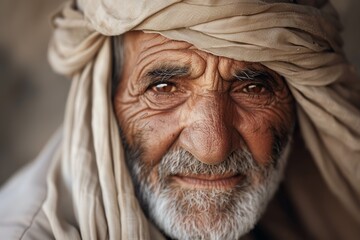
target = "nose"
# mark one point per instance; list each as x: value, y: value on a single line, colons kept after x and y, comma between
x: 209, y: 134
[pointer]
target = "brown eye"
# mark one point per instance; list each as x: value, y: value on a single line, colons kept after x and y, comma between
x: 164, y: 88
x: 254, y: 88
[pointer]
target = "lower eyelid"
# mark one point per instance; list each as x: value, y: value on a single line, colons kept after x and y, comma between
x: 243, y: 86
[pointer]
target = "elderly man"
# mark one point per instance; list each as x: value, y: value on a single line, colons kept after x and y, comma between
x: 208, y: 99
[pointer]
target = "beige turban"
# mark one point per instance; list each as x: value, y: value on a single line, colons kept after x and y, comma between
x: 300, y: 42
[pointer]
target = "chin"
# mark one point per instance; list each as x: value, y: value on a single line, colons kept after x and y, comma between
x: 183, y: 212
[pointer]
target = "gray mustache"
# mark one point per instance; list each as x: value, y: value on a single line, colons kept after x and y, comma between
x: 182, y: 162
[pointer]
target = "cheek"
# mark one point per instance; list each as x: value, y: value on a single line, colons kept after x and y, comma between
x: 159, y: 134
x: 260, y: 128
x: 153, y: 131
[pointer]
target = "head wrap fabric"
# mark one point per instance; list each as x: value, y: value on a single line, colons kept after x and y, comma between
x: 300, y: 42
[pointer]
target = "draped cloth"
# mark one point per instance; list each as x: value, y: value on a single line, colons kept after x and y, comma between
x: 300, y: 42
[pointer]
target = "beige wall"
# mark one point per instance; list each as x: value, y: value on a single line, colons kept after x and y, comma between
x: 32, y: 97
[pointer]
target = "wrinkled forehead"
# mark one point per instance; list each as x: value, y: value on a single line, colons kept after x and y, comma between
x: 151, y: 52
x: 139, y: 41
x: 139, y: 45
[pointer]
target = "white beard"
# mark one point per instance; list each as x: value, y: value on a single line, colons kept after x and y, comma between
x: 209, y: 213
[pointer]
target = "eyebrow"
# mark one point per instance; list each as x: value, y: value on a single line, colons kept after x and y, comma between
x: 166, y: 72
x: 252, y: 74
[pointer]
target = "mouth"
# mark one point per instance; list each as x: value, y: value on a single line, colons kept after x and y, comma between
x: 199, y: 181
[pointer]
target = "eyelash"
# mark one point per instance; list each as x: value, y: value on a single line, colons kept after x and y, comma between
x: 266, y: 86
x: 161, y: 81
x: 155, y: 83
x: 269, y: 91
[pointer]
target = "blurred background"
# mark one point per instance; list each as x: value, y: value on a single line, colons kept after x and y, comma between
x: 32, y: 97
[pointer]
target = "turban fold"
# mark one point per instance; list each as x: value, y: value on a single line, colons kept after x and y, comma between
x: 300, y: 42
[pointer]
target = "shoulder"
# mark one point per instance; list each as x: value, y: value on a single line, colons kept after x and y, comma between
x: 22, y: 197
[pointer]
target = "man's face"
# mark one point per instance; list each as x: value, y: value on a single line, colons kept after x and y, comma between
x: 204, y: 136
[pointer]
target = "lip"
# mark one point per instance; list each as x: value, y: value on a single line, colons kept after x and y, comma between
x: 225, y: 181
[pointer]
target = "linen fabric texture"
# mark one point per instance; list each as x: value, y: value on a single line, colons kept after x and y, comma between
x: 300, y: 42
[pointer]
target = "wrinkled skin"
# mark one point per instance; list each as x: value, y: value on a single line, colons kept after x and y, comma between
x: 206, y: 112
x: 174, y: 96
